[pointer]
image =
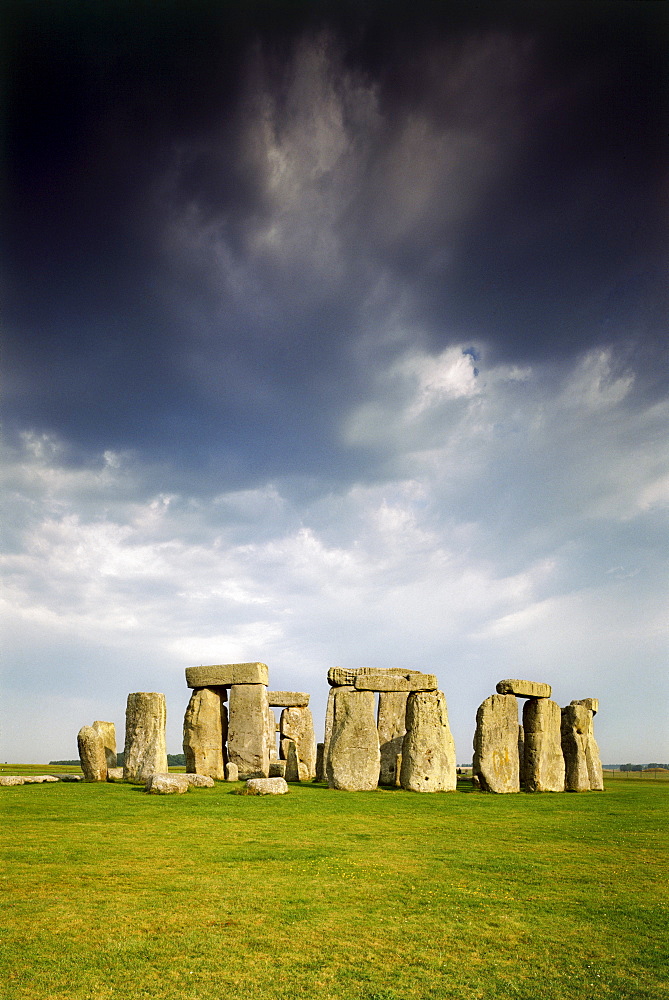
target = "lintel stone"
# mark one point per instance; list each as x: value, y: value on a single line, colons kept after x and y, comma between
x: 288, y: 699
x: 227, y: 674
x: 410, y: 680
x: 346, y: 676
x: 524, y: 689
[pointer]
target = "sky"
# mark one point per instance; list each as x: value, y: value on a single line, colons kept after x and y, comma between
x: 333, y: 334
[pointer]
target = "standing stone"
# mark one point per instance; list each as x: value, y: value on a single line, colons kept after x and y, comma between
x: 297, y: 724
x: 428, y: 750
x: 247, y: 724
x: 145, y: 753
x: 107, y: 731
x: 327, y: 737
x: 521, y: 756
x: 205, y: 732
x: 496, y: 744
x: 320, y: 762
x: 270, y: 733
x: 92, y: 754
x: 543, y: 766
x: 231, y: 772
x: 354, y: 758
x: 390, y: 721
x: 593, y: 760
x: 292, y: 772
x: 575, y: 727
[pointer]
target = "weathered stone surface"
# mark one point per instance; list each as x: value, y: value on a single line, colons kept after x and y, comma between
x: 80, y: 777
x: 38, y: 779
x: 428, y: 750
x: 277, y: 769
x: 590, y: 703
x: 346, y: 676
x: 167, y: 784
x: 231, y: 772
x: 327, y: 738
x: 92, y: 755
x: 593, y: 761
x: 107, y: 731
x: 543, y: 765
x: 575, y: 728
x: 390, y: 722
x: 584, y: 720
x: 297, y: 724
x: 266, y: 786
x: 270, y: 733
x: 115, y: 774
x: 289, y: 751
x: 9, y: 780
x: 247, y: 725
x: 524, y: 689
x: 199, y: 780
x: 320, y: 762
x: 496, y: 762
x: 205, y: 732
x: 521, y: 756
x: 227, y: 674
x: 303, y: 771
x: 354, y: 758
x: 145, y: 753
x: 410, y: 680
x: 288, y: 699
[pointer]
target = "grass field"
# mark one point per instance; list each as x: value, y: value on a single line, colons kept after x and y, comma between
x: 110, y: 893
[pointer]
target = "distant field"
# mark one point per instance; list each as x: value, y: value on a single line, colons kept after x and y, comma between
x: 110, y: 894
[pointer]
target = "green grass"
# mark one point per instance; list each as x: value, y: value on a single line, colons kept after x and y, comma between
x: 110, y: 893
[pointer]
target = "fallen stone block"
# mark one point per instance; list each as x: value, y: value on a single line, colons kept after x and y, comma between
x: 277, y: 768
x: 80, y: 777
x: 524, y: 689
x: 266, y: 786
x: 39, y: 779
x: 227, y: 674
x: 115, y: 774
x: 410, y: 680
x: 287, y: 699
x: 199, y: 780
x: 9, y: 780
x: 167, y: 784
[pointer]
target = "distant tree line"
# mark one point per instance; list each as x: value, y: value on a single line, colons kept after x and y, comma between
x: 173, y: 760
x: 641, y: 767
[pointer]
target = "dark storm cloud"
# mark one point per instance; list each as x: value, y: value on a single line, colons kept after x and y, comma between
x: 214, y: 208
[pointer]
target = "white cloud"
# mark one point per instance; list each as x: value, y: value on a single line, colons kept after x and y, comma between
x: 491, y: 558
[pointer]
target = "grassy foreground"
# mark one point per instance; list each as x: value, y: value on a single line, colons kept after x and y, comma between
x: 110, y: 893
